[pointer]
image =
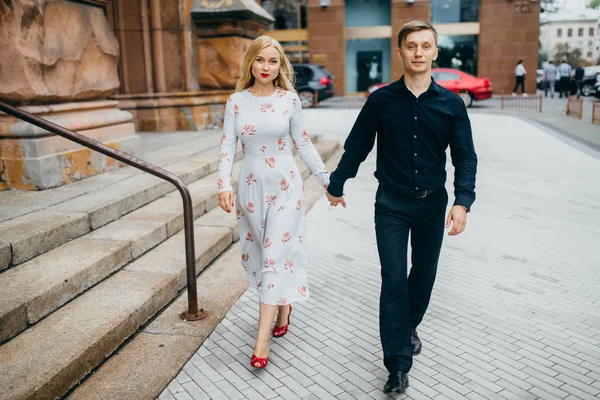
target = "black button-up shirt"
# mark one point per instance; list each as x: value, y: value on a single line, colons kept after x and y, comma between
x: 412, y: 137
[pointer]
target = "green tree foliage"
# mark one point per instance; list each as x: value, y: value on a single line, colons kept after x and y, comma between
x: 562, y: 51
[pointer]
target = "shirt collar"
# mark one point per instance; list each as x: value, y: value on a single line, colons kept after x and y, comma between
x: 434, y: 87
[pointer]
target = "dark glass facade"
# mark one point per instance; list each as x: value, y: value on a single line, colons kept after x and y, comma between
x: 458, y: 52
x: 454, y: 11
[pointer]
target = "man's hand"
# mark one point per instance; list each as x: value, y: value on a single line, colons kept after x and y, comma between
x: 334, y: 201
x: 457, y: 217
x: 226, y: 201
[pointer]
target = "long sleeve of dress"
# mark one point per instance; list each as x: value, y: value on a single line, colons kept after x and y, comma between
x: 228, y: 146
x: 305, y: 147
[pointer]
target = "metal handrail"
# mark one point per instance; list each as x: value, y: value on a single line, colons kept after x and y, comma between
x: 192, y: 313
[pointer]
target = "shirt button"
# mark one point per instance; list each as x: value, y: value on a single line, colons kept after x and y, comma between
x: 415, y: 136
x: 415, y: 154
x: 416, y: 171
x: 415, y: 117
x: 417, y: 188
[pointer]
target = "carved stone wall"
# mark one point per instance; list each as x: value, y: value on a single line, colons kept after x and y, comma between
x: 55, y: 51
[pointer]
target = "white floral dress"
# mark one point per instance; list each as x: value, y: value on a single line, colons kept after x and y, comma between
x: 270, y: 196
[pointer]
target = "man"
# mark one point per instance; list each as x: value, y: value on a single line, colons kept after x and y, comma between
x: 414, y: 120
x: 565, y: 71
x: 578, y: 74
x: 549, y: 78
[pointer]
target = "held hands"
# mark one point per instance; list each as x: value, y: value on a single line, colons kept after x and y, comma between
x: 457, y: 217
x: 334, y: 201
x: 226, y: 201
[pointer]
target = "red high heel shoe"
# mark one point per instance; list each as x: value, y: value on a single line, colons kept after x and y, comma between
x: 279, y: 331
x: 257, y: 362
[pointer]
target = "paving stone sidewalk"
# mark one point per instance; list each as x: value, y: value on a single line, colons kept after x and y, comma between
x: 515, y: 312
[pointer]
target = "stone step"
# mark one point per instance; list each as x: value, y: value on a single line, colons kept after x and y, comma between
x: 86, y: 205
x: 69, y: 342
x: 167, y: 343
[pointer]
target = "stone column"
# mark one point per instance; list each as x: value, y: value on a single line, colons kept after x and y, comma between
x: 402, y: 12
x: 58, y: 60
x: 509, y: 32
x: 327, y: 39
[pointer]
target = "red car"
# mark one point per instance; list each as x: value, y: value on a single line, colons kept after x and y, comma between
x: 465, y: 85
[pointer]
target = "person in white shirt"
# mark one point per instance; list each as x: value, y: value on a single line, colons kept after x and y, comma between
x: 520, y: 75
x: 565, y: 71
x: 549, y: 78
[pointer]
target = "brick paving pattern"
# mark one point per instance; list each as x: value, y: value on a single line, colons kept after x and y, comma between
x: 515, y: 309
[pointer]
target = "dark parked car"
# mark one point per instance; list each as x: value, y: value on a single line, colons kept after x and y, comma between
x: 588, y: 87
x: 311, y: 79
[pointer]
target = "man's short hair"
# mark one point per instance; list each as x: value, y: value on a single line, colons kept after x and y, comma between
x: 415, y: 26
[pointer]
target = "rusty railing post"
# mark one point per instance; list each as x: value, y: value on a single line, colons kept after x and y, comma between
x: 192, y: 313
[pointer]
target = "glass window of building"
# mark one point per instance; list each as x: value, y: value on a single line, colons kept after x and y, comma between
x: 589, y: 54
x: 288, y: 14
x: 591, y: 33
x: 559, y: 32
x: 458, y: 52
x: 580, y: 32
x: 452, y: 11
x: 570, y: 32
x: 361, y: 13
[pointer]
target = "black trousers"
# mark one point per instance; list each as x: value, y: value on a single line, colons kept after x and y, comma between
x: 520, y: 82
x: 404, y: 300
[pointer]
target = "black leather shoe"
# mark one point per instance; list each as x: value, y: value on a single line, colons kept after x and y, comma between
x: 396, y: 383
x: 416, y: 342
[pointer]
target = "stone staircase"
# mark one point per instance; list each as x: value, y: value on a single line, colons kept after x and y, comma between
x: 85, y: 267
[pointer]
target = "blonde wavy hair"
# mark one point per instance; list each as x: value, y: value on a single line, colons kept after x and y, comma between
x: 284, y: 79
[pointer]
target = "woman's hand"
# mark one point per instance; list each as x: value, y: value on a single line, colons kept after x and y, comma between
x: 226, y: 201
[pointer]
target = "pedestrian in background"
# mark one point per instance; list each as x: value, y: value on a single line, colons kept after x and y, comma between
x: 265, y: 113
x: 520, y: 78
x: 414, y: 121
x: 565, y: 72
x: 549, y: 78
x: 578, y: 75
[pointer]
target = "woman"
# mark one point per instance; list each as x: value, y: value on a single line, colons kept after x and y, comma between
x: 520, y: 75
x: 263, y: 113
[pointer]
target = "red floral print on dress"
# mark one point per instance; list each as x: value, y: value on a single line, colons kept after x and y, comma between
x: 236, y: 109
x: 302, y: 290
x: 238, y: 213
x: 270, y: 161
x: 263, y: 149
x: 250, y: 207
x: 271, y: 200
x: 250, y: 179
x: 284, y: 185
x: 263, y: 223
x: 243, y: 148
x: 282, y: 301
x: 281, y: 144
x: 293, y: 173
x: 295, y: 145
x: 286, y: 237
x: 280, y: 92
x: 259, y: 284
x: 298, y: 205
x: 267, y: 243
x: 249, y: 237
x: 270, y: 286
x: 279, y: 209
x: 249, y: 130
x: 223, y: 138
x: 294, y: 101
x: 267, y: 107
x: 289, y: 266
x: 285, y: 113
x: 220, y: 183
x: 245, y: 257
x: 306, y: 136
x: 224, y: 157
x: 270, y: 263
x: 300, y: 239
